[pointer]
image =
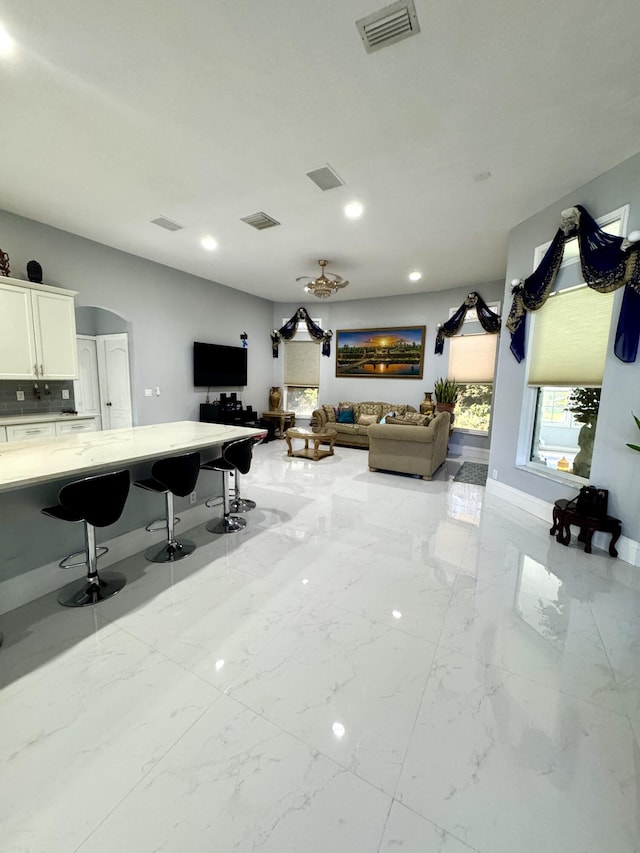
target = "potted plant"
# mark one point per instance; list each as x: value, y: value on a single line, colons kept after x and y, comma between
x: 583, y: 405
x: 635, y: 446
x: 446, y: 391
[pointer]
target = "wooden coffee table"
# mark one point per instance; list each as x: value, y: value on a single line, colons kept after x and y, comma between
x: 325, y: 436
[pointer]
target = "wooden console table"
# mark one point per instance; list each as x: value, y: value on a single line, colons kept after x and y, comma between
x: 565, y: 514
x: 282, y: 419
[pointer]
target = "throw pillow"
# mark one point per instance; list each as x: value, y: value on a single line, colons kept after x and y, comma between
x: 330, y: 412
x: 345, y: 416
x: 367, y: 420
x: 416, y: 420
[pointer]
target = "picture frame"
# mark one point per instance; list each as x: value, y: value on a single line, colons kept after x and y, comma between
x: 390, y: 352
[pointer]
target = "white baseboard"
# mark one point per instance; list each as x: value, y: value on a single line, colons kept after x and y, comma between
x: 28, y: 586
x: 628, y: 549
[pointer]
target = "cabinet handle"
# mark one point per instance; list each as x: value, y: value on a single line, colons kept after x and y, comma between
x: 107, y: 404
x: 41, y: 370
x: 33, y: 431
x: 35, y: 369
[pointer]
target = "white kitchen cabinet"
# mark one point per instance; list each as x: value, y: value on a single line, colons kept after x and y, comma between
x: 39, y: 331
x: 3, y: 434
x: 23, y: 432
x: 75, y: 426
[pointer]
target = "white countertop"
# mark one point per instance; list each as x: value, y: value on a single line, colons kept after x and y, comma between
x: 27, y: 463
x: 45, y: 418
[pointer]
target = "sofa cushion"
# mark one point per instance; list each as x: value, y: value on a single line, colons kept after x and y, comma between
x: 371, y: 409
x: 367, y: 420
x: 330, y: 412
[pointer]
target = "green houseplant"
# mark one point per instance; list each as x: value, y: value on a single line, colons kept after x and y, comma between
x: 446, y: 391
x: 635, y: 446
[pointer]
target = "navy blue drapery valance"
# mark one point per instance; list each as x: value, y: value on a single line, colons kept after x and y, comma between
x: 608, y: 262
x: 489, y: 320
x: 290, y: 327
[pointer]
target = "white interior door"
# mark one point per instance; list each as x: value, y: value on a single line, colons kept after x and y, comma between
x: 86, y: 388
x: 115, y: 385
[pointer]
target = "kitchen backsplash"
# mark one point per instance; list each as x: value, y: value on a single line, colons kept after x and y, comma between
x: 39, y: 397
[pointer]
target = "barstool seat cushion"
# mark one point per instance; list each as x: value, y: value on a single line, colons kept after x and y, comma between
x: 152, y: 485
x: 62, y: 513
x: 219, y: 464
x: 177, y: 474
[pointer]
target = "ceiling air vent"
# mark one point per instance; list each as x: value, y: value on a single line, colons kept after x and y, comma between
x: 260, y: 221
x: 389, y: 25
x: 169, y: 224
x: 325, y: 178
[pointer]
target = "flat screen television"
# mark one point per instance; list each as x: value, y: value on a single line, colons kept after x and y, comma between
x: 216, y: 366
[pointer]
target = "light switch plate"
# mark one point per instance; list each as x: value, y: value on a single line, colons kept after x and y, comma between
x: 148, y: 392
x: 20, y: 396
x: 65, y: 393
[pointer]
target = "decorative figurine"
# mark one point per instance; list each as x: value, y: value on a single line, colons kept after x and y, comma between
x: 4, y: 264
x: 34, y: 272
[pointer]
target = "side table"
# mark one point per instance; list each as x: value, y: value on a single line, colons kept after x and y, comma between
x: 565, y: 514
x: 281, y: 419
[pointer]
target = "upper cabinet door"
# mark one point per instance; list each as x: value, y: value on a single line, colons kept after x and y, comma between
x: 18, y: 357
x: 55, y: 330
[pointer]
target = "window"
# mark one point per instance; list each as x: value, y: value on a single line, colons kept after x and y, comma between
x: 566, y: 365
x: 301, y: 376
x: 472, y: 361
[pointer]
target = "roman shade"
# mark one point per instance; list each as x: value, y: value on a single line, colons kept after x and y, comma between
x: 301, y: 363
x: 570, y: 336
x: 472, y: 358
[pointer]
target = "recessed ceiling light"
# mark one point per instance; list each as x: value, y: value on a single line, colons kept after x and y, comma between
x: 7, y: 44
x: 415, y: 276
x: 209, y: 243
x: 353, y: 210
x: 338, y: 729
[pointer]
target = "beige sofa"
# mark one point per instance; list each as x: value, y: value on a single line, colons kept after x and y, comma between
x: 419, y: 450
x: 356, y: 434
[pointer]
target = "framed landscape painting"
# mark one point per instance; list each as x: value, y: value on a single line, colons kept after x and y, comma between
x: 389, y: 353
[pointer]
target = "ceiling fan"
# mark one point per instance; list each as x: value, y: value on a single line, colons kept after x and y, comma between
x: 325, y: 285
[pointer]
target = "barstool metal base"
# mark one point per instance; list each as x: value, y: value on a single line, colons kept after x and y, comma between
x: 170, y: 552
x: 82, y: 593
x: 242, y: 505
x: 227, y: 524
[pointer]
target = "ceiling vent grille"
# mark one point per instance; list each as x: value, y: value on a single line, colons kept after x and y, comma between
x: 325, y: 178
x: 389, y: 25
x: 260, y: 221
x: 169, y: 224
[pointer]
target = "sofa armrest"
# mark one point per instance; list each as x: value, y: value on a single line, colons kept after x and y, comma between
x: 319, y: 418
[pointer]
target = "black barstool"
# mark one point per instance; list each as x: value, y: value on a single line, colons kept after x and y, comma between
x: 236, y: 456
x: 176, y: 475
x: 97, y: 502
x: 240, y: 504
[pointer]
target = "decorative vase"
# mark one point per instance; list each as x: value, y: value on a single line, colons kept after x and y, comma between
x: 426, y: 406
x: 5, y: 269
x: 275, y: 399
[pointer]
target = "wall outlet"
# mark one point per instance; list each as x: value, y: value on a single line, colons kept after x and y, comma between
x: 148, y: 392
x: 495, y: 474
x: 20, y: 396
x: 65, y: 393
x: 192, y: 498
x: 157, y: 390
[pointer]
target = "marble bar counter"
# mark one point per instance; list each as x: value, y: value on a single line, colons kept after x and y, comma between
x: 28, y: 463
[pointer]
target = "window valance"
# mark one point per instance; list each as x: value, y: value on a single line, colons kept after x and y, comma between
x: 608, y: 262
x: 489, y: 320
x: 290, y: 327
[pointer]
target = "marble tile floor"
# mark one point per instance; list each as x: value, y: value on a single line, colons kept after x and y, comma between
x: 376, y: 663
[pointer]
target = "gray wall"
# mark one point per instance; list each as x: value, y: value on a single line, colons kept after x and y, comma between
x: 427, y: 309
x: 614, y: 466
x: 167, y: 311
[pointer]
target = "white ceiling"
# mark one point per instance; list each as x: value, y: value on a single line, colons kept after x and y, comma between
x: 114, y: 113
